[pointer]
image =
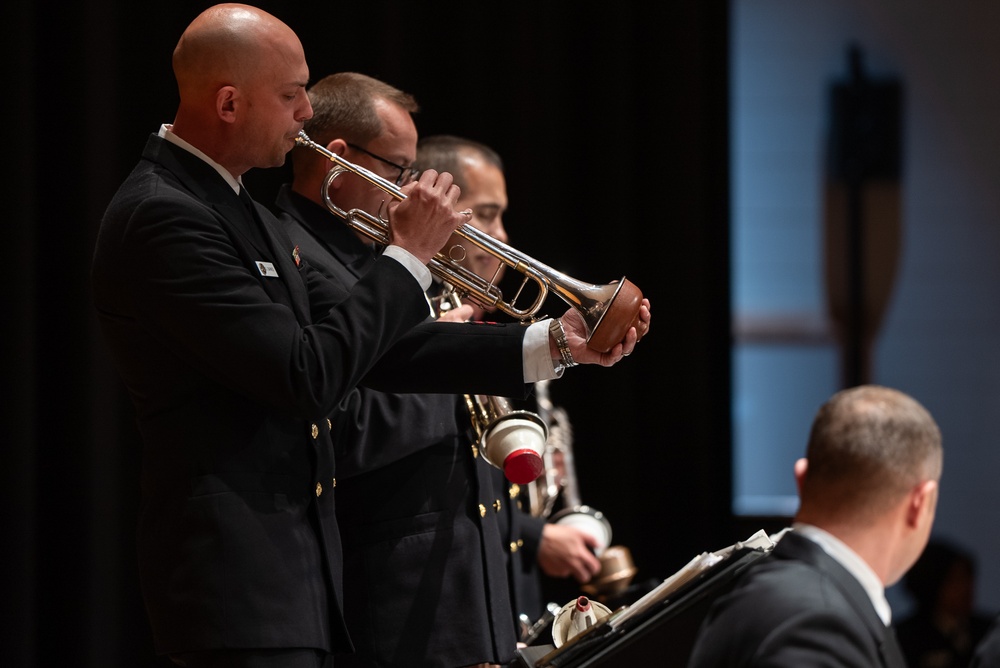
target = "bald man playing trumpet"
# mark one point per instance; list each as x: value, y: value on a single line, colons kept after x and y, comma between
x: 235, y: 350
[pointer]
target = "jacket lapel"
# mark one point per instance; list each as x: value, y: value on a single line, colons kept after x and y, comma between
x: 257, y: 241
x: 286, y: 258
x: 802, y: 548
x: 330, y: 232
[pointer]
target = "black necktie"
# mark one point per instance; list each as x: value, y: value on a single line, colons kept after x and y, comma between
x: 248, y: 203
x: 247, y: 200
x: 891, y: 651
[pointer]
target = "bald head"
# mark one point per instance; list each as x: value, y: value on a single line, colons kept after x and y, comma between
x: 224, y: 45
x: 241, y: 74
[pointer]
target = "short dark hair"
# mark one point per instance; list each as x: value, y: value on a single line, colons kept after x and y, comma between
x: 869, y: 445
x: 344, y: 107
x: 444, y: 152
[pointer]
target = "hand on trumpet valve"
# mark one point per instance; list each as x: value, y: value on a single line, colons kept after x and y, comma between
x: 423, y: 222
x: 576, y: 338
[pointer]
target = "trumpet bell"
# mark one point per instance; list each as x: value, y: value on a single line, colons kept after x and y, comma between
x: 608, y: 310
x: 615, y: 576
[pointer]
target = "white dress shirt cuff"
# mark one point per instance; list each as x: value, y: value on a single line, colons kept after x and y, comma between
x: 412, y: 264
x: 537, y: 360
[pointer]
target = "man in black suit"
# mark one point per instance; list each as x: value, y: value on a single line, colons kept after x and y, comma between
x: 559, y: 550
x: 235, y: 351
x: 426, y: 582
x: 868, y: 491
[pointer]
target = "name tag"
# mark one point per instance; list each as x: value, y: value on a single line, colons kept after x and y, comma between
x: 267, y: 269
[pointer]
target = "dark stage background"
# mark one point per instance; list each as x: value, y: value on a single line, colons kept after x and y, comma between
x: 613, y: 125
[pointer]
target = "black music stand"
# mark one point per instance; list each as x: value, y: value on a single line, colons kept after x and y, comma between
x: 663, y: 635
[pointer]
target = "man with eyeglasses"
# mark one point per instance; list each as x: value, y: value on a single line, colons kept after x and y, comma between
x: 425, y: 580
x: 425, y: 577
x: 403, y: 174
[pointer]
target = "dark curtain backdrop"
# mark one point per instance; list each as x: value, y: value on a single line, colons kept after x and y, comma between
x: 613, y: 125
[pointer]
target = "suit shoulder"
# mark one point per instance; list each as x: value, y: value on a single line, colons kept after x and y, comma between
x: 788, y: 612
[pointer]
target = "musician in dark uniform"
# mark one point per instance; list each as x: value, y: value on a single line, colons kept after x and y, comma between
x: 536, y: 546
x: 235, y: 352
x: 868, y: 490
x: 425, y: 562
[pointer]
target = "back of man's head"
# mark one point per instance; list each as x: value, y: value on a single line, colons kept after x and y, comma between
x: 869, y: 446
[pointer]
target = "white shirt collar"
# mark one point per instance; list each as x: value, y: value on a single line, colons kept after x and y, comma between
x: 854, y: 564
x: 167, y: 133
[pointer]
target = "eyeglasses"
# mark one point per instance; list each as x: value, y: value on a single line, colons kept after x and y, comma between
x: 406, y: 174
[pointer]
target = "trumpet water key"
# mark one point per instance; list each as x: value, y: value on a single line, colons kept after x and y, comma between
x: 608, y: 310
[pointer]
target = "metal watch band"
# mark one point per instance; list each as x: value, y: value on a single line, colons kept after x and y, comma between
x: 565, y: 356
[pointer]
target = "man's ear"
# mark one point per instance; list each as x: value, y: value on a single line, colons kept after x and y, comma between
x: 801, y: 465
x: 225, y: 103
x: 339, y: 147
x: 922, y: 502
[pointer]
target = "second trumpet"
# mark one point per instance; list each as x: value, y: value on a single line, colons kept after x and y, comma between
x: 608, y: 310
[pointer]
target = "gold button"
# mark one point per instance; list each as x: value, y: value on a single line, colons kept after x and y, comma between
x: 319, y: 489
x: 315, y: 431
x: 475, y: 451
x: 335, y: 483
x: 329, y: 425
x: 513, y: 546
x: 496, y: 505
x: 482, y: 510
x: 514, y: 490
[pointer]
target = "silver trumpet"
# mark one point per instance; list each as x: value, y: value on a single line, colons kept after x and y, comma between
x: 608, y: 310
x: 511, y: 440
